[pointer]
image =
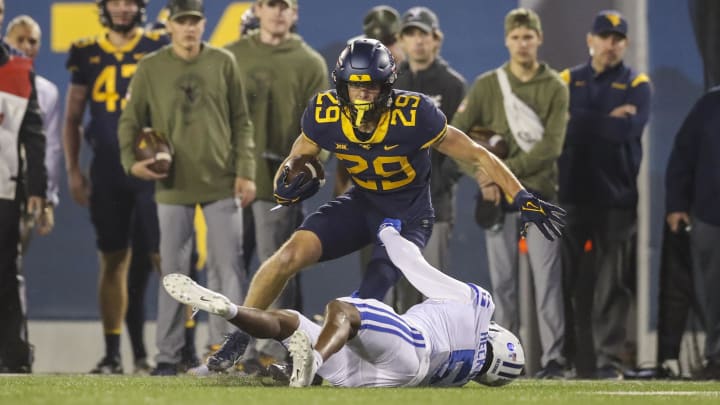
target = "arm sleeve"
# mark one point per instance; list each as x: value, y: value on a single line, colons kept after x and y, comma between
x: 74, y: 64
x: 549, y: 148
x: 53, y: 150
x: 242, y: 129
x: 466, y: 113
x: 430, y: 281
x: 33, y: 140
x: 433, y: 122
x: 134, y: 116
x: 680, y: 172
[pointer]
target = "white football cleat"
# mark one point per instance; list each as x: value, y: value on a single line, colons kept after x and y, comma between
x: 301, y: 351
x: 199, y: 371
x: 183, y: 289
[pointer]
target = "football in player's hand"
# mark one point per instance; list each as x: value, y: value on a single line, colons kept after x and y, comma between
x: 150, y: 144
x: 309, y: 165
x: 491, y: 141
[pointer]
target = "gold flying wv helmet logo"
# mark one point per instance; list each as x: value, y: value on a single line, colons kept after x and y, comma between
x: 613, y: 18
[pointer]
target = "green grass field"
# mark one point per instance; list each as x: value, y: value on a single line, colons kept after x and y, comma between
x: 227, y: 390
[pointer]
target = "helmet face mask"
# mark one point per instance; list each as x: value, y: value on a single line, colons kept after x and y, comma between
x: 107, y: 21
x: 365, y: 62
x: 505, y: 360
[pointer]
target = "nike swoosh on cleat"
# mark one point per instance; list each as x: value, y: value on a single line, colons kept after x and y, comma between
x: 202, y: 298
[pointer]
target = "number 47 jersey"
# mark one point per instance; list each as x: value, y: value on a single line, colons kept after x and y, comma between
x: 391, y: 166
x: 106, y: 70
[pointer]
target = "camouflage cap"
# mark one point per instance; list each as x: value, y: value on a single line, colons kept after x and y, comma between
x: 181, y: 8
x: 290, y: 3
x: 522, y: 17
x: 382, y: 23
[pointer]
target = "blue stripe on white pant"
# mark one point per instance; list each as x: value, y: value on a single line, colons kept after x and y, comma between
x: 383, y: 320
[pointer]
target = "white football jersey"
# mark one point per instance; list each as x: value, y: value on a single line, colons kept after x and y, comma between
x: 457, y: 334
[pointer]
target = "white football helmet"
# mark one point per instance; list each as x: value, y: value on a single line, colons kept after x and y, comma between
x: 506, y: 357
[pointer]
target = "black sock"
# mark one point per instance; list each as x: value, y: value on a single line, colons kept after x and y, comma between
x: 188, y: 349
x: 112, y: 345
x: 138, y: 276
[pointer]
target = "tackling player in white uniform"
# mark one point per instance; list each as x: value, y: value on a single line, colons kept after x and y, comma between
x: 441, y: 342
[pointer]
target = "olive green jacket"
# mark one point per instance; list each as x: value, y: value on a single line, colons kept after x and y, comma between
x: 200, y: 106
x: 280, y: 80
x: 548, y: 96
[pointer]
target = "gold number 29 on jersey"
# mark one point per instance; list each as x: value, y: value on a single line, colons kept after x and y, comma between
x: 384, y: 166
x: 105, y: 87
x: 404, y: 116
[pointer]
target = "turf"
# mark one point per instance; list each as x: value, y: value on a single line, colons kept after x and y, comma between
x: 97, y: 390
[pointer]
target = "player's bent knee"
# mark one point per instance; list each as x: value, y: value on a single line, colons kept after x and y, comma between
x: 340, y: 312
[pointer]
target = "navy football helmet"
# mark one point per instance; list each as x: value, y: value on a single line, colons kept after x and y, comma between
x: 106, y: 19
x: 363, y: 62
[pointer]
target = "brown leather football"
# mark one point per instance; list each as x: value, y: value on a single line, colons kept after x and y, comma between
x: 491, y: 141
x: 151, y: 144
x: 308, y: 164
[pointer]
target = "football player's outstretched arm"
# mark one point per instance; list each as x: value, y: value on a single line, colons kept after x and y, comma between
x: 459, y: 146
x: 547, y: 217
x: 430, y: 281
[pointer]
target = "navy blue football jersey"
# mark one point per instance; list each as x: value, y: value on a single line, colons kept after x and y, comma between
x: 106, y: 70
x: 392, y: 166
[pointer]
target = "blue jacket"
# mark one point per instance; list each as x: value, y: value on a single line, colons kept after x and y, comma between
x: 601, y: 156
x: 692, y: 179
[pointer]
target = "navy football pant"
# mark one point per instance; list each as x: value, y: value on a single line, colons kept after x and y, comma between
x: 348, y: 223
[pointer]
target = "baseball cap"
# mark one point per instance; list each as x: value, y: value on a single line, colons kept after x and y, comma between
x: 290, y: 3
x: 609, y: 21
x: 181, y: 8
x: 420, y: 17
x: 522, y: 17
x: 381, y: 23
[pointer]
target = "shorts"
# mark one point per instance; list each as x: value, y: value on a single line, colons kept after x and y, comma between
x: 350, y: 222
x: 122, y: 209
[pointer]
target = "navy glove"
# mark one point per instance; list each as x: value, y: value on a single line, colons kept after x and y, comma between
x: 295, y: 191
x: 547, y: 217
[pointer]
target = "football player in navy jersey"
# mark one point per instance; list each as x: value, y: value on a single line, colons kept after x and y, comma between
x: 382, y: 137
x: 122, y: 208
